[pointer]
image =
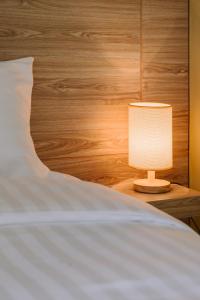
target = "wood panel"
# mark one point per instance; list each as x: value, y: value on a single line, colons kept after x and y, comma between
x: 93, y: 57
x: 165, y: 70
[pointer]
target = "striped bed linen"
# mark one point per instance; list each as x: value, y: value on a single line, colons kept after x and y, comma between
x: 65, y: 239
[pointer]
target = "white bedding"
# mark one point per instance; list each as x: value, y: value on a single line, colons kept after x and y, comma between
x: 62, y: 238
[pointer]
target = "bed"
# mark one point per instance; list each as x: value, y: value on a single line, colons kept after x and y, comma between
x: 64, y: 238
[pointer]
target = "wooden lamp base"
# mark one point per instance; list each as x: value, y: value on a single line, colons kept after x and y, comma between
x: 151, y: 185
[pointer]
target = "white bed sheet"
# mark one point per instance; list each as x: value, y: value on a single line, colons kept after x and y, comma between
x: 63, y: 238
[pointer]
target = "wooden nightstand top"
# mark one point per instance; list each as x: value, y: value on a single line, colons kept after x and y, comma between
x: 180, y: 202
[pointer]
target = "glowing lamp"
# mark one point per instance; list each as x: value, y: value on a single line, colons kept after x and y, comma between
x: 150, y: 143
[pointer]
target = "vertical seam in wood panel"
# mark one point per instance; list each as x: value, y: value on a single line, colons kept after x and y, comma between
x: 141, y: 50
x: 188, y: 93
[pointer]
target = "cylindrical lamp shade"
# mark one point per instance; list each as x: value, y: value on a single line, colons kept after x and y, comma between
x: 150, y: 136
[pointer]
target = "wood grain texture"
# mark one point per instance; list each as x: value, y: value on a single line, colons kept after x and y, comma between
x: 165, y: 70
x: 88, y: 68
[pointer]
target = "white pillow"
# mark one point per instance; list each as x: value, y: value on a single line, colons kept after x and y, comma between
x: 17, y: 153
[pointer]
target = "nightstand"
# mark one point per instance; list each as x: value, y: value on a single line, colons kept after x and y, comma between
x: 180, y: 202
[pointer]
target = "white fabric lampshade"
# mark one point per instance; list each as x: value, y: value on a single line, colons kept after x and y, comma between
x: 150, y: 136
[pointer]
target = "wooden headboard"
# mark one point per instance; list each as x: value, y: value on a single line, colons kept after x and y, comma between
x: 93, y: 57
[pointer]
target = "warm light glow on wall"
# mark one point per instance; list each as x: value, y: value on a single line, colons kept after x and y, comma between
x: 150, y: 136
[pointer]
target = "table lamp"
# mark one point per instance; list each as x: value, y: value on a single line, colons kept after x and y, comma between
x: 150, y: 143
